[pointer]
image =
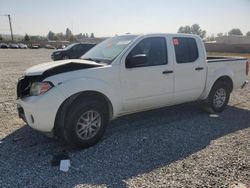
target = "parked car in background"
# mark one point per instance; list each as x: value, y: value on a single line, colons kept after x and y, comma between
x: 75, y: 99
x: 4, y: 45
x: 48, y: 46
x: 61, y: 46
x: 22, y: 46
x: 13, y: 46
x: 73, y: 51
x: 34, y: 46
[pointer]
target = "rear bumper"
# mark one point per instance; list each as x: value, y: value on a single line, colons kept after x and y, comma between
x: 244, y: 84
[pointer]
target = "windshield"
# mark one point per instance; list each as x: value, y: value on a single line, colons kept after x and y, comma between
x: 69, y: 46
x: 109, y: 49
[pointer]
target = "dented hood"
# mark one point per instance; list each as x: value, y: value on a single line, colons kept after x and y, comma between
x: 57, y: 67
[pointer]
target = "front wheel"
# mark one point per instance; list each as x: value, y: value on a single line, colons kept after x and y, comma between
x: 218, y: 98
x: 85, y: 123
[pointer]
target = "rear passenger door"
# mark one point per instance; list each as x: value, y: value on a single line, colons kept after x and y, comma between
x: 190, y: 70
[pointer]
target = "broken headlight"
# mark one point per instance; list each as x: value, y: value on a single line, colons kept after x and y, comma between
x: 39, y: 88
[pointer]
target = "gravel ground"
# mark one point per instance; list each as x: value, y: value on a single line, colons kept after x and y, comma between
x: 178, y: 146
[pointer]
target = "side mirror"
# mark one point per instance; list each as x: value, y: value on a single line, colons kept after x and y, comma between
x: 136, y: 61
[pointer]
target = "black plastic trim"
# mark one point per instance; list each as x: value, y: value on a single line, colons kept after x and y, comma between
x: 223, y: 59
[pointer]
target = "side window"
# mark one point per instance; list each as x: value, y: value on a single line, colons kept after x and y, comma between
x: 186, y: 50
x: 153, y: 48
x: 78, y: 47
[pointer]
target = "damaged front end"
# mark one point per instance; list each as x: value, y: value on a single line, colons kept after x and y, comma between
x: 23, y: 90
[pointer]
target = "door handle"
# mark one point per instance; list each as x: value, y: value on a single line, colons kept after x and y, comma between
x: 199, y: 68
x: 167, y: 72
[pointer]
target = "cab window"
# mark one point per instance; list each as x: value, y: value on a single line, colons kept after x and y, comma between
x: 186, y: 50
x: 154, y: 49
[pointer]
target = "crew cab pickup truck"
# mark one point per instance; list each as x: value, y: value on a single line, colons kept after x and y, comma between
x: 75, y: 99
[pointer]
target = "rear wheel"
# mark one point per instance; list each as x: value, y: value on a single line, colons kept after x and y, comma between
x: 85, y: 123
x: 218, y: 98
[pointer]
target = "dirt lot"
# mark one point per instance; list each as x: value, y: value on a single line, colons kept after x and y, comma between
x: 178, y: 146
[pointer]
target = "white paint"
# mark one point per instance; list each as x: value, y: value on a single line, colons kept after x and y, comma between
x: 131, y: 90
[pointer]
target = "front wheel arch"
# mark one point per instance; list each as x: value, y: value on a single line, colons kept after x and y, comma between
x: 65, y: 106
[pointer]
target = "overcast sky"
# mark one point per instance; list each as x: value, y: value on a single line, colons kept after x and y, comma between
x: 110, y: 17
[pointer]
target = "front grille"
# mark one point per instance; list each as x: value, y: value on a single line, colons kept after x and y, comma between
x: 23, y: 86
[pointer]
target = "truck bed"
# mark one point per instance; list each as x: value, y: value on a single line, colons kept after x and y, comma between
x: 213, y: 59
x: 235, y: 67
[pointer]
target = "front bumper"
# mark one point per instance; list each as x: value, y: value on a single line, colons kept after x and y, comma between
x: 39, y: 112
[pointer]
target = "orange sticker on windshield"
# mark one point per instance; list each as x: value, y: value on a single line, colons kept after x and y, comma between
x: 176, y: 42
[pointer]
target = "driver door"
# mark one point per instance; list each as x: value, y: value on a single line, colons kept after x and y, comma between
x: 149, y: 84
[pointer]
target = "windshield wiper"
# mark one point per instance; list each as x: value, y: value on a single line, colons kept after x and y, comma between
x: 91, y: 59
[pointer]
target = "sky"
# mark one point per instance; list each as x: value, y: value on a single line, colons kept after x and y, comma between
x: 110, y: 17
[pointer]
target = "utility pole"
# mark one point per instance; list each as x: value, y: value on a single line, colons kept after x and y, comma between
x: 11, y: 31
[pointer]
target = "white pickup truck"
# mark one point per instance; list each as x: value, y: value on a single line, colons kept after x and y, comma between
x: 75, y: 99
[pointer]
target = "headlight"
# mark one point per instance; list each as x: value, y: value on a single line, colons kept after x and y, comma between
x: 57, y: 53
x: 39, y: 88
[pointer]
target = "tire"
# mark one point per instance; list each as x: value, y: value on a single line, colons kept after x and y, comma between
x: 218, y: 98
x: 83, y: 118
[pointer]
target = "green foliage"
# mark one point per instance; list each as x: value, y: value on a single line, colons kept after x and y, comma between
x: 68, y: 34
x: 26, y: 38
x: 248, y: 34
x: 1, y: 38
x: 193, y: 29
x: 235, y: 31
x: 92, y: 35
x: 37, y: 38
x: 219, y: 34
x: 72, y: 38
x: 59, y: 36
x: 51, y: 35
x: 211, y: 38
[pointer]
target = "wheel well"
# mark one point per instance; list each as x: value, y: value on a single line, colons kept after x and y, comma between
x: 227, y: 80
x: 63, y: 109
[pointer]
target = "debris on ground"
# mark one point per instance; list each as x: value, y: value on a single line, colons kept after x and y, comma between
x: 56, y: 160
x: 17, y: 139
x: 64, y: 165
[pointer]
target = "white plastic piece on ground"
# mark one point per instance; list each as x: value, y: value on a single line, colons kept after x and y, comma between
x: 64, y: 165
x: 213, y: 115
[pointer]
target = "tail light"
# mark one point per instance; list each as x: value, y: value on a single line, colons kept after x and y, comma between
x: 247, y: 67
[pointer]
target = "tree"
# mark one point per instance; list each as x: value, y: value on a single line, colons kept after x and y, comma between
x: 92, y: 35
x: 86, y: 35
x: 68, y: 34
x: 1, y: 38
x: 235, y: 31
x: 219, y: 34
x: 248, y: 34
x: 51, y: 35
x: 211, y: 38
x: 26, y: 38
x: 185, y: 29
x: 37, y: 38
x: 193, y: 29
x: 72, y: 38
x: 59, y: 36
